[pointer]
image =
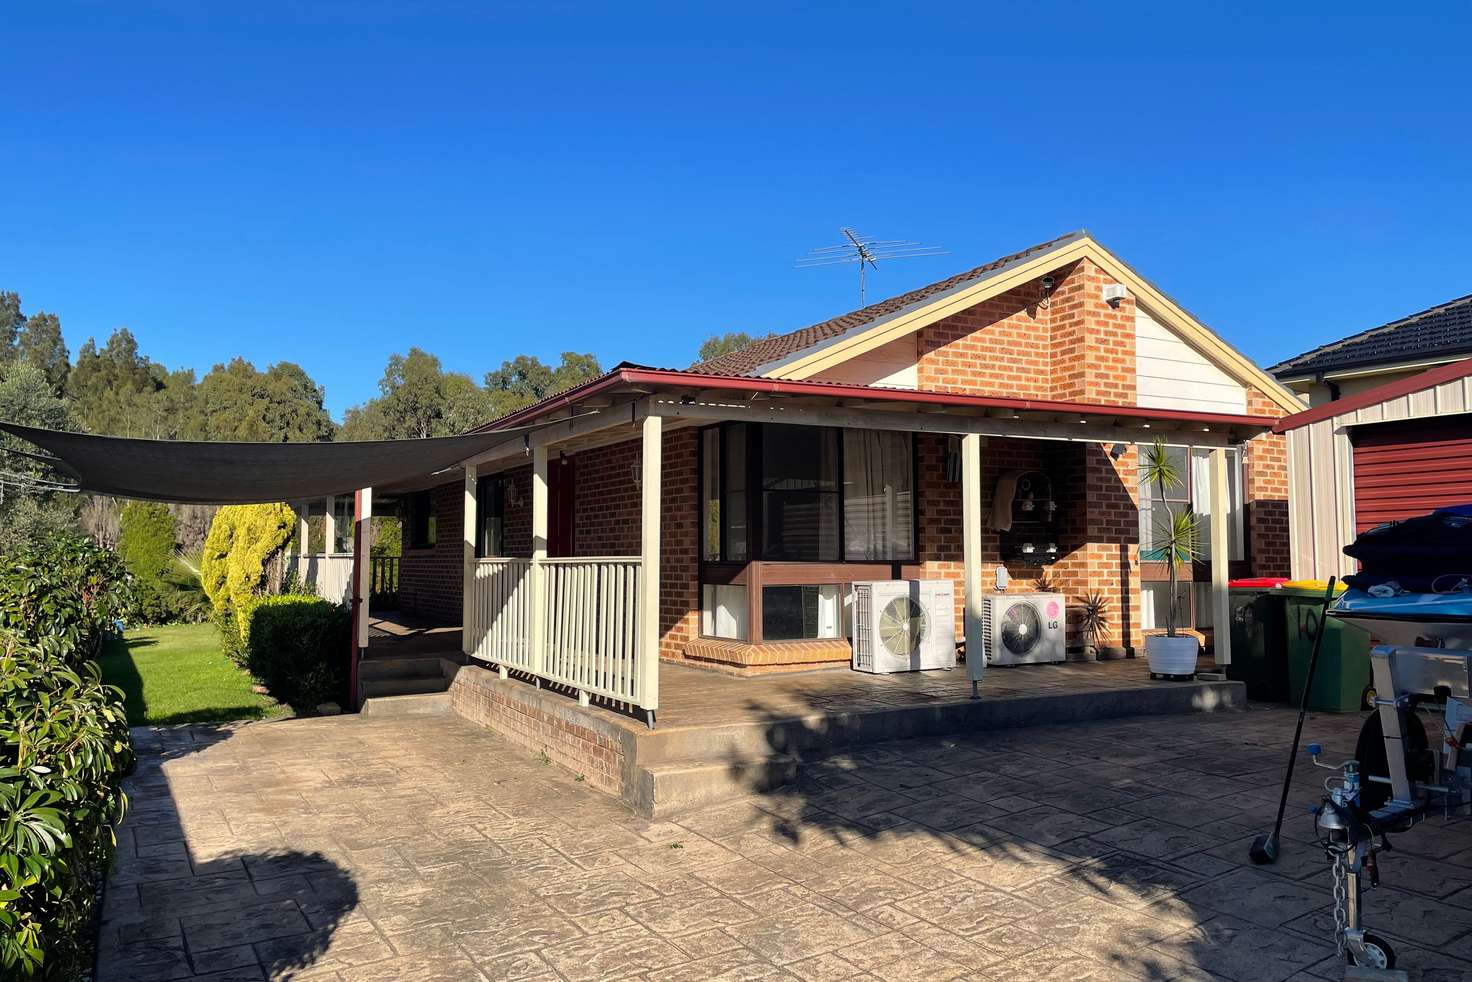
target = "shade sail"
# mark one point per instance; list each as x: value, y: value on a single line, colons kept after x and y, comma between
x: 244, y: 473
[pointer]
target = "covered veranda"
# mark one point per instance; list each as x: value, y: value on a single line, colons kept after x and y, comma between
x: 591, y: 626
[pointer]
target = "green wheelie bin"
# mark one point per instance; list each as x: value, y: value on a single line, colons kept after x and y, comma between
x: 1343, y: 675
x: 1259, y: 658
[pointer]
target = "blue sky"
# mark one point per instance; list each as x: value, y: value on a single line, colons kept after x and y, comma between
x: 329, y: 183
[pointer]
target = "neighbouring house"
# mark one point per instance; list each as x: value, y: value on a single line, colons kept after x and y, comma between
x: 1399, y: 449
x: 740, y: 497
x: 1389, y: 353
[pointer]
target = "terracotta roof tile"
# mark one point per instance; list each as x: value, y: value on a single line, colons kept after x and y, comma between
x: 746, y: 361
x: 1445, y: 329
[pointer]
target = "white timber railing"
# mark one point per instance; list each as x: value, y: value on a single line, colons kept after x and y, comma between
x: 499, y: 613
x: 590, y: 635
x: 589, y: 624
x: 329, y: 574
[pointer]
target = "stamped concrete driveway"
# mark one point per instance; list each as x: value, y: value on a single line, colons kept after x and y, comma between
x: 420, y: 847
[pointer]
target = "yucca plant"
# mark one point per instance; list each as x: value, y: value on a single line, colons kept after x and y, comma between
x: 1175, y: 536
x: 1093, y: 618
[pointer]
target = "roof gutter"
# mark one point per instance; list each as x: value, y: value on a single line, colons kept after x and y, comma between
x: 1381, y: 393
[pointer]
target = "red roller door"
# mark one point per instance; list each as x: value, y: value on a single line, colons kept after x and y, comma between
x: 1407, y: 469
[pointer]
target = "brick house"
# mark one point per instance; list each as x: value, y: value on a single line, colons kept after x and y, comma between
x: 740, y: 497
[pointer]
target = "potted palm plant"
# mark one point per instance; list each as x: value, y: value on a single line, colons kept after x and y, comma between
x: 1175, y: 538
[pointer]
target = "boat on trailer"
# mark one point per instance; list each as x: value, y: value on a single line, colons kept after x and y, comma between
x: 1414, y: 595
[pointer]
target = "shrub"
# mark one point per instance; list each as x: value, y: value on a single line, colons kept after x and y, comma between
x: 65, y: 753
x: 146, y: 540
x: 298, y: 647
x: 235, y: 564
x: 67, y: 593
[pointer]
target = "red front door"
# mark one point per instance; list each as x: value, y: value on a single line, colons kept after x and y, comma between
x: 561, y: 473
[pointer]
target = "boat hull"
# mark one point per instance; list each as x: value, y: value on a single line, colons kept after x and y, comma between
x: 1436, y: 620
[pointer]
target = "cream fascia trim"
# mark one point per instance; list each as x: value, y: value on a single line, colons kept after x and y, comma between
x: 832, y: 353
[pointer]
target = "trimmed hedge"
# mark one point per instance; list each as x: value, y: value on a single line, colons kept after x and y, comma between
x: 298, y: 646
x: 65, y: 752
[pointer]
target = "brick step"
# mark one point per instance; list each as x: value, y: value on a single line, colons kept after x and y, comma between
x: 391, y: 668
x: 409, y: 705
x: 680, y: 784
x: 404, y: 686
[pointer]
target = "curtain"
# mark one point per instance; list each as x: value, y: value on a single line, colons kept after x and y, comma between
x: 1201, y: 500
x: 878, y: 502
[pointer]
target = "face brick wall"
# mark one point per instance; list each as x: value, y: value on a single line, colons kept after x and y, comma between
x: 1067, y: 345
x: 606, y: 501
x: 1097, y: 525
x: 1000, y: 347
x: 430, y: 580
x: 1265, y: 488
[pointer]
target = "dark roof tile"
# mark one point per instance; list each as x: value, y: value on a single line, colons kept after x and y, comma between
x: 1445, y: 329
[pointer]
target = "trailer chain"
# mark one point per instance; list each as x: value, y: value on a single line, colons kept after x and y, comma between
x: 1341, y: 892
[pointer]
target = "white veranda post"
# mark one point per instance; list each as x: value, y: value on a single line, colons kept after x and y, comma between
x: 971, y: 557
x: 362, y: 566
x: 303, y: 530
x: 1221, y: 614
x: 537, y: 629
x: 467, y: 582
x: 329, y: 526
x: 647, y: 617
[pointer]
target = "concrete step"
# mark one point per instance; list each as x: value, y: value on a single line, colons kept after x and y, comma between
x: 680, y: 784
x: 386, y: 668
x: 817, y: 733
x: 411, y: 685
x: 407, y: 705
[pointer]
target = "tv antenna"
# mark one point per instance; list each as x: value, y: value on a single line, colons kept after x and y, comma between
x: 866, y: 251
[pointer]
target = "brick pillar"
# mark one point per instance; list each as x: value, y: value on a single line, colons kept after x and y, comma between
x: 1265, y: 492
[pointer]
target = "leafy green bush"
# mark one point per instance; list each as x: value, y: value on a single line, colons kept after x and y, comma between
x: 298, y: 646
x: 65, y: 752
x: 167, y: 602
x: 67, y: 593
x: 146, y: 539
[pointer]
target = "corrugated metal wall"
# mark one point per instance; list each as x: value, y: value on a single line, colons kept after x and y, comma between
x: 1324, y: 513
x: 1406, y: 469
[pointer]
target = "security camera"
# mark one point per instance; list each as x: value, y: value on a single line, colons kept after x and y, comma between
x: 1049, y: 283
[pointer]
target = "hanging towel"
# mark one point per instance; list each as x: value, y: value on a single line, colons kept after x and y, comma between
x: 1002, y: 501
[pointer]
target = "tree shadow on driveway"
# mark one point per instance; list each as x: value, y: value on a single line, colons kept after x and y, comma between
x: 1117, y: 846
x: 188, y: 898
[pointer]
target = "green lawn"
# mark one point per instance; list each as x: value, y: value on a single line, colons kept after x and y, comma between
x: 178, y: 674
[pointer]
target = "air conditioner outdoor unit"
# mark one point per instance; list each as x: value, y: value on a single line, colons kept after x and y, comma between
x: 1023, y: 628
x: 904, y: 625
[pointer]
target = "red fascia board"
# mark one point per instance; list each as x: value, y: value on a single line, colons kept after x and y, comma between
x: 1381, y: 393
x: 650, y: 376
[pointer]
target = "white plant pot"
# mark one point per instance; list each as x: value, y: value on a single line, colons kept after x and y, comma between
x: 1172, y: 656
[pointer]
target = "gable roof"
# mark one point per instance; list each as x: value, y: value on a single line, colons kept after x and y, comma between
x: 1443, y: 330
x: 810, y: 351
x: 747, y: 360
